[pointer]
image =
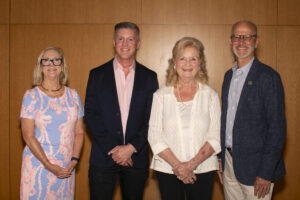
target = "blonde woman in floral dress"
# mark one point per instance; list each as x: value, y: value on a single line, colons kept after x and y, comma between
x: 52, y: 128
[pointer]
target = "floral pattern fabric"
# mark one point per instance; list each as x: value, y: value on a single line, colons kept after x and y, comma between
x: 54, y: 120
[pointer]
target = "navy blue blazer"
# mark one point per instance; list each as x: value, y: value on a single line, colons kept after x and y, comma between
x: 103, y: 118
x: 259, y: 127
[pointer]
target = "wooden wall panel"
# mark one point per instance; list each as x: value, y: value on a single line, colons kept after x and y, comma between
x: 74, y: 11
x: 4, y: 11
x: 266, y: 50
x: 208, y: 12
x: 288, y: 66
x: 84, y: 30
x: 288, y: 12
x: 4, y: 112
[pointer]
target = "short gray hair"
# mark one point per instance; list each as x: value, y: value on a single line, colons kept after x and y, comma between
x: 129, y: 25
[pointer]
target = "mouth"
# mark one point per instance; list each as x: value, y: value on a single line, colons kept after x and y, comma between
x: 125, y: 50
x: 241, y: 47
x: 187, y: 70
x: 52, y: 70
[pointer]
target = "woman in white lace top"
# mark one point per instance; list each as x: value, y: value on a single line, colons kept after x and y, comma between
x: 184, y: 127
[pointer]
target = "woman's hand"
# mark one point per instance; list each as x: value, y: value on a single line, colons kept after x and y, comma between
x: 71, y: 166
x: 58, y: 171
x: 190, y: 179
x: 183, y: 169
x: 184, y: 172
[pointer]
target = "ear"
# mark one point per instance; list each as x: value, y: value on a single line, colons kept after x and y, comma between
x: 230, y: 42
x: 138, y: 45
x: 114, y: 42
x: 257, y: 41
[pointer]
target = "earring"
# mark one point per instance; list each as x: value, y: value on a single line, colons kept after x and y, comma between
x: 175, y: 67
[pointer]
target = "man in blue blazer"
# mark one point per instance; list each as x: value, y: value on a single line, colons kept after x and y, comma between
x: 117, y: 110
x: 253, y: 125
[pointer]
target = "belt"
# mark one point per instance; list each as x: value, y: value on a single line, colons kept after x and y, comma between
x: 229, y: 150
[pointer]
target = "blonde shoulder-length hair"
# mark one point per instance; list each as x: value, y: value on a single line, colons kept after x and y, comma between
x: 180, y: 45
x: 38, y: 75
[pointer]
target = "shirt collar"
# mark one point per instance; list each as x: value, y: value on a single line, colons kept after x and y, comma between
x: 243, y: 70
x: 118, y: 66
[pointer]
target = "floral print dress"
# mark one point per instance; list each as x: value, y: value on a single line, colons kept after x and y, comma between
x: 54, y: 120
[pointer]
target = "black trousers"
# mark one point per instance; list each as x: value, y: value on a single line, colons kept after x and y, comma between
x: 103, y: 182
x: 171, y: 188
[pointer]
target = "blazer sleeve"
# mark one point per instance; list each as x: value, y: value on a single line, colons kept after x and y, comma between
x: 273, y: 94
x: 93, y: 117
x: 141, y: 138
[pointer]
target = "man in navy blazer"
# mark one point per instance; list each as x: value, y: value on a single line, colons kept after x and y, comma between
x: 117, y: 110
x: 253, y: 125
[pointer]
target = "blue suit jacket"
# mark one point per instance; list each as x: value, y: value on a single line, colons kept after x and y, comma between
x: 259, y: 127
x: 103, y: 118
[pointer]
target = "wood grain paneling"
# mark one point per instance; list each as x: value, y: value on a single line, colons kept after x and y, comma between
x: 84, y: 30
x: 74, y: 11
x: 208, y: 12
x: 4, y: 11
x: 288, y: 66
x: 4, y: 112
x: 288, y: 12
x: 266, y: 51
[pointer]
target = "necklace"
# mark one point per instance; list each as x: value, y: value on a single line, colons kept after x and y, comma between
x: 51, y: 90
x: 180, y: 99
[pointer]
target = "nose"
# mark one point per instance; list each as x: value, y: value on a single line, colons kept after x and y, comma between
x: 125, y: 42
x: 51, y: 63
x: 241, y: 40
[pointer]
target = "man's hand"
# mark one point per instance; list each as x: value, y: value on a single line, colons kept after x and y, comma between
x: 261, y: 187
x: 220, y: 172
x: 122, y: 154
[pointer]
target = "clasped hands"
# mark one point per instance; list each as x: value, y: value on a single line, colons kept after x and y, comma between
x: 61, y: 172
x: 184, y: 172
x: 121, y: 155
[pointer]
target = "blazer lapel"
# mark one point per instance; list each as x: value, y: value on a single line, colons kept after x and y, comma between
x: 246, y: 88
x: 137, y: 87
x: 111, y: 85
x: 225, y: 91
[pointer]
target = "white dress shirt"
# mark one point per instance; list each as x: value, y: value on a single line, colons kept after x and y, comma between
x: 239, y: 76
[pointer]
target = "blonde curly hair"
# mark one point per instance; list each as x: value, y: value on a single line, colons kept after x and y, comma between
x: 180, y: 45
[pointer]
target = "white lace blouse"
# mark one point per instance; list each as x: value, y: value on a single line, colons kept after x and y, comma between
x: 184, y: 132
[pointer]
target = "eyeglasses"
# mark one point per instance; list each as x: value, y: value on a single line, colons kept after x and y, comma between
x: 54, y: 61
x: 246, y: 38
